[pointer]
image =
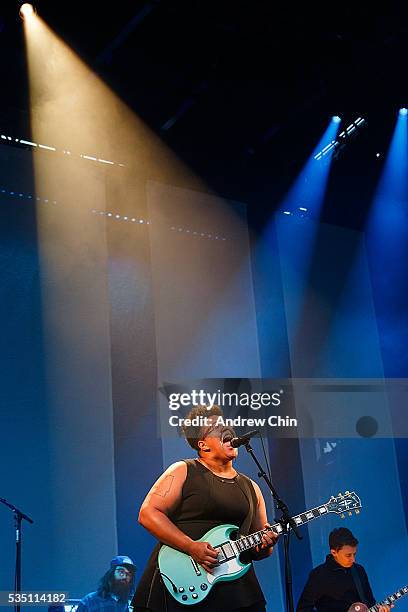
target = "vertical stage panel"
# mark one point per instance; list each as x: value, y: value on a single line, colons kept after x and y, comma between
x: 204, y: 308
x: 73, y: 269
x: 56, y: 413
x: 24, y: 440
x: 138, y: 450
x: 332, y: 333
x: 284, y: 452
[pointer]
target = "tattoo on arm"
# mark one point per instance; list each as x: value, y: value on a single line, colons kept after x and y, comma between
x: 164, y: 487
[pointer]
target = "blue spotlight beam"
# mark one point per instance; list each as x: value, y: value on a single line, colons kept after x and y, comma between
x: 388, y: 218
x: 387, y: 247
x: 310, y: 186
x: 307, y: 194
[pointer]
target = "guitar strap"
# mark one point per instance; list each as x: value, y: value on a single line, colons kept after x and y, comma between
x: 357, y: 581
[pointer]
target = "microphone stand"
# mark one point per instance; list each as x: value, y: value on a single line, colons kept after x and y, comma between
x: 287, y: 523
x: 18, y: 518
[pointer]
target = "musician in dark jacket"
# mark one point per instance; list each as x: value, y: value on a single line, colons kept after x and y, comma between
x: 339, y: 582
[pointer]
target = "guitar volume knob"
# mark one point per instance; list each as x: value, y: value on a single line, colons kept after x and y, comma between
x: 191, y: 588
x: 184, y: 598
x: 203, y: 586
x: 195, y: 596
x: 181, y: 589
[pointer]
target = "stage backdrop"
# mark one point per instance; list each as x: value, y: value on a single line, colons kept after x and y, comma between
x: 101, y: 313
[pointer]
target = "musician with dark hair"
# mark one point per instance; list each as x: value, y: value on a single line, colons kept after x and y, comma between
x: 115, y: 588
x: 190, y: 498
x: 339, y: 582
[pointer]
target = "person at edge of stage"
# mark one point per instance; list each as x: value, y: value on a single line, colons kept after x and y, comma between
x: 339, y: 582
x: 115, y: 588
x: 190, y: 498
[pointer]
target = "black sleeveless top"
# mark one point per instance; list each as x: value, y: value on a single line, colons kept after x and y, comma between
x: 207, y: 501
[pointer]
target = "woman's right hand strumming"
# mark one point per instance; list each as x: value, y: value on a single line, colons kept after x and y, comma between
x: 204, y: 554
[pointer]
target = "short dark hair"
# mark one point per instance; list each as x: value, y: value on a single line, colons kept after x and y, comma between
x: 194, y: 433
x: 341, y: 537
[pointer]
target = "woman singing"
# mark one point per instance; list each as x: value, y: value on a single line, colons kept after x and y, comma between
x: 190, y: 498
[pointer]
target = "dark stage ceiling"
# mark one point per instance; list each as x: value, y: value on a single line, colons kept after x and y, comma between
x: 239, y: 89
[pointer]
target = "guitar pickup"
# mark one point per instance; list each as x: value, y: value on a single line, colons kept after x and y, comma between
x: 225, y: 552
x: 221, y: 555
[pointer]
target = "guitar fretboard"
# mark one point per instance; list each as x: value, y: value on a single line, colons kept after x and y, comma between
x: 254, y: 539
x: 390, y: 599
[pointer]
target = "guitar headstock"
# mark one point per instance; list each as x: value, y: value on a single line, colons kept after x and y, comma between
x: 344, y: 503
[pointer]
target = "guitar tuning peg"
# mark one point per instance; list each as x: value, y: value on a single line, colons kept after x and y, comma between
x: 340, y: 495
x: 357, y: 511
x: 342, y: 516
x: 347, y: 492
x: 350, y: 514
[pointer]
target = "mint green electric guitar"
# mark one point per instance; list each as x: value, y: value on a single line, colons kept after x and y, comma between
x: 189, y: 583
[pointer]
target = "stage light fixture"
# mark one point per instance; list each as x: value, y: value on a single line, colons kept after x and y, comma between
x: 336, y: 119
x: 336, y: 146
x: 403, y: 112
x: 26, y: 10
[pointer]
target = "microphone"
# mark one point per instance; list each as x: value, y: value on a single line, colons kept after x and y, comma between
x: 240, y: 440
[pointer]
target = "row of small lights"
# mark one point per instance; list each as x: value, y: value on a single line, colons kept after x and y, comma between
x: 195, y: 233
x: 141, y: 221
x: 46, y: 201
x: 111, y: 215
x: 29, y: 143
x: 27, y: 196
x: 344, y: 134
